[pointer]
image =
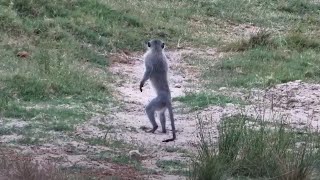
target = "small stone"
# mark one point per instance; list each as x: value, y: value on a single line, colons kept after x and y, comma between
x: 222, y: 88
x: 230, y: 105
x: 135, y: 154
x: 27, y: 152
x: 23, y: 54
x: 177, y: 86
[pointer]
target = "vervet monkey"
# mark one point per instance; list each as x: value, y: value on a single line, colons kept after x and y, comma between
x: 157, y: 71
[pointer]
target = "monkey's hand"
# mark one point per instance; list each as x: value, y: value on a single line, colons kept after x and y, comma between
x: 141, y: 85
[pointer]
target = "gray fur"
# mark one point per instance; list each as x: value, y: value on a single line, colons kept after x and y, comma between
x: 157, y: 71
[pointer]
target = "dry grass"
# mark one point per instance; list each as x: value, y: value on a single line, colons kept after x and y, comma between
x: 15, y: 167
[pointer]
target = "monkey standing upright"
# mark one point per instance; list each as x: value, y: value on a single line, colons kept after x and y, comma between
x: 157, y: 71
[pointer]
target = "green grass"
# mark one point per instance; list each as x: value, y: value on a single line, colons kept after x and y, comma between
x: 172, y: 149
x: 118, y: 158
x: 287, y: 51
x: 256, y: 151
x: 275, y: 14
x: 28, y: 141
x: 5, y: 131
x: 172, y: 166
x: 55, y: 84
x: 101, y: 156
x: 126, y: 160
x: 261, y: 38
x: 263, y: 61
x: 301, y: 42
x: 261, y: 67
x: 202, y: 100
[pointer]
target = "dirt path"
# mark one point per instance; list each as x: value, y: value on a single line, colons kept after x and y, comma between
x: 128, y: 70
x: 132, y: 116
x: 165, y: 160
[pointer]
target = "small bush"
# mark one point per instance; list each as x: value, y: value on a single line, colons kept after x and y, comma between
x: 172, y: 166
x: 262, y: 38
x: 16, y: 167
x: 247, y: 149
x: 301, y: 42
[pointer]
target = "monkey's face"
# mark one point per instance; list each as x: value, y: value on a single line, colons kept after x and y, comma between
x: 155, y: 44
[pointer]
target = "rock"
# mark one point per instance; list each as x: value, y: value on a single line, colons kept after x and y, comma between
x: 135, y: 154
x: 177, y: 86
x: 222, y: 88
x: 27, y: 152
x: 229, y: 105
x: 23, y: 54
x: 301, y: 123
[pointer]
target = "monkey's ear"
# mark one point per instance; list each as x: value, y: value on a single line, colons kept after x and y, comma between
x: 162, y: 45
x: 149, y: 44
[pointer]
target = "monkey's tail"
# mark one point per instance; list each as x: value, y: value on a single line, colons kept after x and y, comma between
x: 172, y: 124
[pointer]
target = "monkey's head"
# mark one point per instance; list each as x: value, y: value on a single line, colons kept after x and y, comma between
x: 155, y: 44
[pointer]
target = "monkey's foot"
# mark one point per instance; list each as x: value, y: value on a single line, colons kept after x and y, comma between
x: 164, y: 131
x: 152, y: 130
x: 168, y: 140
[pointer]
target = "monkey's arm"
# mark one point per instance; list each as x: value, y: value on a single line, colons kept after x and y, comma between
x: 146, y: 76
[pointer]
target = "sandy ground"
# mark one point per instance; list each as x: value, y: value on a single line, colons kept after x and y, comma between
x: 131, y: 117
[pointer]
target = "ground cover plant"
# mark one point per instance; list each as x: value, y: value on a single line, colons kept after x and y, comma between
x: 253, y: 148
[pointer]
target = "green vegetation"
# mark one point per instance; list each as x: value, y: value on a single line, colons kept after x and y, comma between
x: 262, y: 38
x: 52, y: 82
x: 27, y: 140
x: 256, y: 150
x: 172, y: 149
x: 275, y: 14
x: 287, y: 51
x: 198, y: 101
x: 118, y: 158
x: 126, y: 160
x: 295, y: 57
x: 173, y: 166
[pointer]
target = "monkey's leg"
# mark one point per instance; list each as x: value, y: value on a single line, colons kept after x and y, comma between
x: 150, y: 110
x: 163, y: 121
x: 172, y: 124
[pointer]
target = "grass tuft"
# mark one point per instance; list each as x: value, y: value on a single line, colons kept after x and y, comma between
x: 172, y: 166
x: 299, y: 6
x: 202, y: 100
x: 301, y: 42
x: 262, y: 67
x: 255, y: 150
x: 261, y: 38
